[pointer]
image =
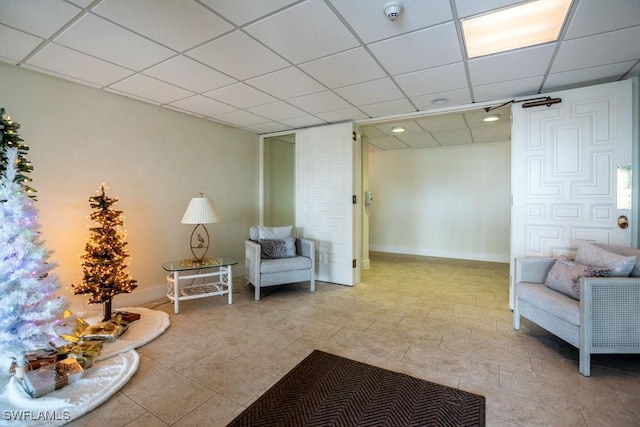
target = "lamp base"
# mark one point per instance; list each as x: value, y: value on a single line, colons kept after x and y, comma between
x: 197, y: 262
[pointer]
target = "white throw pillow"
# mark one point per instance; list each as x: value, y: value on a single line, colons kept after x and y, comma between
x: 274, y: 232
x: 593, y: 256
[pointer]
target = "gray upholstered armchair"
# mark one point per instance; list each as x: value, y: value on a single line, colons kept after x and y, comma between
x: 274, y: 257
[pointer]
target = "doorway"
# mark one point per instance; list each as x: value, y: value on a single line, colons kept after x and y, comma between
x: 279, y: 180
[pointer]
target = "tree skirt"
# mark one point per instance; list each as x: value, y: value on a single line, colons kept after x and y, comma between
x: 61, y: 406
x: 152, y: 323
x: 117, y: 362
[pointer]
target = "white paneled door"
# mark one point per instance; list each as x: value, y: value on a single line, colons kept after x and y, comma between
x: 324, y: 204
x: 566, y: 160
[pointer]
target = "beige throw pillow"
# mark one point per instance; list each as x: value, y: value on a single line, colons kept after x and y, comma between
x: 565, y: 275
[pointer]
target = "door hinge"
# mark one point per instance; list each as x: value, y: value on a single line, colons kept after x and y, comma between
x: 355, y: 199
x: 354, y: 263
x: 354, y: 136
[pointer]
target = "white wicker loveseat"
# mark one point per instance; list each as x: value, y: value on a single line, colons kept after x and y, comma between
x: 605, y: 319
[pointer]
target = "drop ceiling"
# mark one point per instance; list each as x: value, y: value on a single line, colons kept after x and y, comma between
x: 276, y: 65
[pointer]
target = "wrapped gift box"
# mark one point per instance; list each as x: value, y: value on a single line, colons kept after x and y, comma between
x: 84, y: 352
x: 52, y: 377
x: 106, y: 331
x: 37, y: 359
x: 126, y: 316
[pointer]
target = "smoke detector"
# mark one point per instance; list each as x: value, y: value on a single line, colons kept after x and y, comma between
x: 392, y: 10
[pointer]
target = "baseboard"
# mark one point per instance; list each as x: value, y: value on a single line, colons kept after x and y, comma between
x: 365, y: 264
x: 441, y: 254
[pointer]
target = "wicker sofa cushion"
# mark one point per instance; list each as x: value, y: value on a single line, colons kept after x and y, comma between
x: 594, y: 256
x: 552, y: 302
x: 284, y: 264
x: 565, y: 275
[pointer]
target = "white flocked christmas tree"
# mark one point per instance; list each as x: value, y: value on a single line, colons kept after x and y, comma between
x: 30, y: 311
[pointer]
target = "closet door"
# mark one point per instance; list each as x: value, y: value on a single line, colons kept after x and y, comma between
x: 569, y: 172
x: 325, y: 211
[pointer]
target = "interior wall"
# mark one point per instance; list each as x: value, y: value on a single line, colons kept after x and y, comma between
x: 152, y: 159
x: 451, y: 202
x: 279, y: 185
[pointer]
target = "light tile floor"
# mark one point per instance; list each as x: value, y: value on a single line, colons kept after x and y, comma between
x: 446, y: 321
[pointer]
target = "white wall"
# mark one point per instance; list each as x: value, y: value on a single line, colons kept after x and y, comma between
x: 152, y: 159
x: 449, y: 202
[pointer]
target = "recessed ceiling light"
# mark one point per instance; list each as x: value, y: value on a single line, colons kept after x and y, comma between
x: 529, y: 24
x: 398, y: 129
x: 439, y: 101
x: 491, y: 118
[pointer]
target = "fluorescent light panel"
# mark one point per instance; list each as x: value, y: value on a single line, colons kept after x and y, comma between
x: 529, y: 24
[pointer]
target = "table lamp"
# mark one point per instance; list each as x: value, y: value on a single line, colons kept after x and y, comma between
x: 200, y: 211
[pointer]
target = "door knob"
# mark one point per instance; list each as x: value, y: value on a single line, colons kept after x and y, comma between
x: 623, y: 222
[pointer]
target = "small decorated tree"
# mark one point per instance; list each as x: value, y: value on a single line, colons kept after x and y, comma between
x: 105, y: 260
x: 30, y: 312
x: 9, y: 138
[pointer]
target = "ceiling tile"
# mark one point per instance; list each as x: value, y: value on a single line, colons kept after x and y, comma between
x: 510, y: 89
x: 342, y: 115
x: 240, y: 95
x: 371, y: 92
x: 36, y: 17
x: 238, y: 55
x: 371, y: 131
x: 455, y: 97
x: 625, y: 13
x: 102, y: 39
x: 81, y: 3
x: 362, y: 67
x: 168, y: 21
x: 428, y: 48
x: 319, y: 102
x: 600, y: 49
x: 152, y: 89
x: 512, y: 65
x: 303, y: 122
x: 241, y: 12
x: 388, y: 108
x: 419, y: 140
x: 242, y: 118
x: 388, y: 143
x: 16, y: 44
x: 299, y: 39
x: 368, y: 20
x: 287, y: 83
x: 189, y: 74
x: 68, y: 62
x: 203, y: 106
x: 441, y: 121
x: 593, y: 75
x: 269, y: 127
x: 277, y: 111
x: 452, y: 136
x: 432, y: 80
x: 491, y: 133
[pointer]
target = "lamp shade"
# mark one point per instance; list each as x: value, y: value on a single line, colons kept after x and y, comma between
x: 200, y: 211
